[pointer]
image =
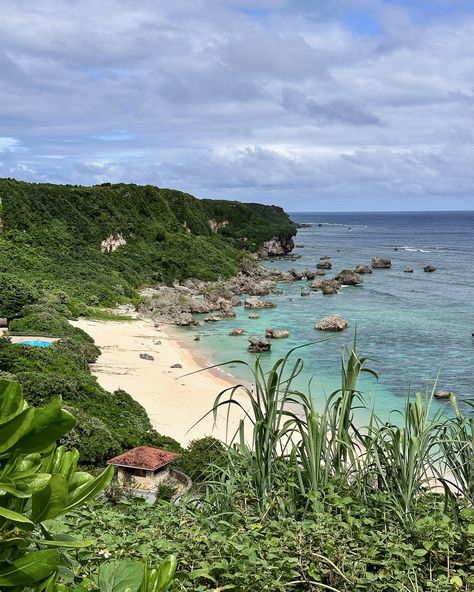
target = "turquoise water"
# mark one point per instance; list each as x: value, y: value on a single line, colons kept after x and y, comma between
x: 35, y: 343
x: 412, y: 326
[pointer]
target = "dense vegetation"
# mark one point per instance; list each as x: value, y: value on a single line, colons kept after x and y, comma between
x: 310, y: 501
x: 51, y: 238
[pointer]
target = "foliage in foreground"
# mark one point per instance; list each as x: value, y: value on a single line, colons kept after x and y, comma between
x: 307, y: 500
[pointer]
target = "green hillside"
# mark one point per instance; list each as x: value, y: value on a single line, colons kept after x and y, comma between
x: 52, y: 234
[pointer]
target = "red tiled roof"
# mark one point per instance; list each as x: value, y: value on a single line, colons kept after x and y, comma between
x: 144, y: 457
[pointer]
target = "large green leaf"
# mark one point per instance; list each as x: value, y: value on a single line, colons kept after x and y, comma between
x: 50, y: 501
x: 29, y: 569
x: 120, y: 576
x: 15, y: 429
x: 32, y: 484
x: 17, y: 519
x: 49, y: 424
x: 11, y: 399
x: 90, y: 490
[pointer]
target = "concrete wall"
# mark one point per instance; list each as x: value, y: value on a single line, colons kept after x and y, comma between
x: 146, y: 480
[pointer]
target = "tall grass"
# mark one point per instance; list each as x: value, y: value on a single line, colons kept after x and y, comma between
x: 290, y: 452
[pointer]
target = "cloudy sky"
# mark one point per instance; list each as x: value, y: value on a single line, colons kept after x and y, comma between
x: 317, y: 105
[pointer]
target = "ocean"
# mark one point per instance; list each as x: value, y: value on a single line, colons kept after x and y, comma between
x: 415, y: 328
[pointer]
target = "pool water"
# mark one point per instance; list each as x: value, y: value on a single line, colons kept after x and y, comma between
x: 35, y: 343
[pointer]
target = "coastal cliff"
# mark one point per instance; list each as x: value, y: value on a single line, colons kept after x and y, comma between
x: 101, y: 243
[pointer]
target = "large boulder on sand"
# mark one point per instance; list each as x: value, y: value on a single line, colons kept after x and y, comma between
x: 276, y: 333
x: 381, y: 263
x: 363, y: 269
x: 332, y: 323
x: 346, y: 277
x: 324, y: 265
x: 258, y: 345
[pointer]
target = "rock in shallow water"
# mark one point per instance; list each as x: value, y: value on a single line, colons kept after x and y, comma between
x: 276, y: 333
x: 258, y: 345
x: 429, y: 268
x: 381, y: 263
x: 236, y: 331
x: 332, y: 323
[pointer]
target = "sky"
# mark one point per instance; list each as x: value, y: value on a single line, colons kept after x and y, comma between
x: 335, y: 105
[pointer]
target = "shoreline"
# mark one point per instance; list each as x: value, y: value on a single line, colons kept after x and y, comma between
x: 174, y: 398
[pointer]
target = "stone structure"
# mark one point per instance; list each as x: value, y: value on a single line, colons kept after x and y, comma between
x: 143, y: 467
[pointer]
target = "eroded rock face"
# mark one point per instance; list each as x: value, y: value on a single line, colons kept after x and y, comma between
x: 381, y: 263
x: 275, y: 247
x: 112, y: 243
x: 255, y: 303
x: 216, y: 226
x: 363, y: 269
x: 347, y: 277
x: 236, y: 331
x: 332, y: 323
x: 429, y: 268
x: 324, y: 265
x: 276, y: 333
x: 258, y: 345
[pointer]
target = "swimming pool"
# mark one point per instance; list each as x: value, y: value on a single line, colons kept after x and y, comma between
x: 35, y: 343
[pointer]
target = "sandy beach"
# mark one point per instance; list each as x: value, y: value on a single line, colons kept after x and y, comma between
x: 173, y: 401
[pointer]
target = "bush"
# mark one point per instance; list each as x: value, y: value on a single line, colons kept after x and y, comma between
x: 200, y: 455
x: 15, y: 293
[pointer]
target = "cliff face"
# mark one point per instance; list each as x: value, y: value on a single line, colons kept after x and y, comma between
x: 107, y: 240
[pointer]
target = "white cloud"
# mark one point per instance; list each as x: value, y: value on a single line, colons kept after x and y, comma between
x: 279, y: 100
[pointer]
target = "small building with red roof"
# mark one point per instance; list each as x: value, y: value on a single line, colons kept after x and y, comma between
x: 145, y: 467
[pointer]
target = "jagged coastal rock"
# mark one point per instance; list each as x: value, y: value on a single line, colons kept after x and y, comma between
x: 236, y: 331
x: 276, y: 333
x: 381, y: 263
x: 258, y: 345
x: 255, y: 303
x: 363, y: 269
x: 332, y: 323
x: 346, y: 277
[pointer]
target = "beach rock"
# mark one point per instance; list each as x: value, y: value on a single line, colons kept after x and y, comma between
x: 184, y: 319
x: 408, y: 270
x: 276, y: 333
x: 363, y: 269
x: 258, y: 288
x: 212, y: 319
x: 381, y: 263
x: 332, y: 323
x: 443, y: 394
x: 254, y: 303
x: 297, y: 275
x: 429, y: 268
x: 316, y: 284
x: 258, y: 345
x: 254, y: 316
x: 176, y: 366
x: 324, y: 265
x: 147, y: 357
x: 227, y: 313
x: 330, y: 287
x: 346, y: 277
x: 304, y: 292
x: 236, y: 331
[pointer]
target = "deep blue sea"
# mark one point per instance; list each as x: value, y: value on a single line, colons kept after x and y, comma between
x: 415, y: 328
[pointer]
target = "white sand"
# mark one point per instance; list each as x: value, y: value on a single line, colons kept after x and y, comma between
x: 173, y: 402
